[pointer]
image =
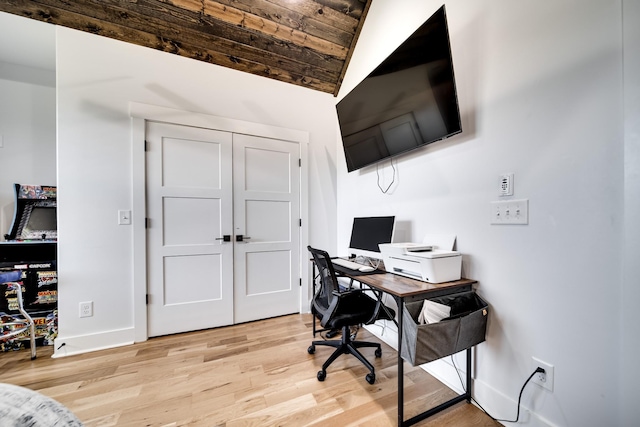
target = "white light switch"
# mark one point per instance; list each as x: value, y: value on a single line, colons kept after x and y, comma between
x: 1, y: 143
x: 510, y: 212
x: 124, y: 217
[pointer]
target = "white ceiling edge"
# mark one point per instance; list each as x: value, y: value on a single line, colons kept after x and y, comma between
x: 27, y: 42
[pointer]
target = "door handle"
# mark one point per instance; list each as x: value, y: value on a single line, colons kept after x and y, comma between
x: 225, y: 238
x: 241, y: 238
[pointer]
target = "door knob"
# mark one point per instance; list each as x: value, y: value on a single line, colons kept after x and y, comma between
x: 225, y: 238
x: 241, y: 238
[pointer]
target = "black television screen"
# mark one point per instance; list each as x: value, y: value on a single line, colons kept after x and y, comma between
x: 408, y: 101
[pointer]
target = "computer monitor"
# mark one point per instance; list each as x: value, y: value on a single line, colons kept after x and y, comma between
x: 367, y: 233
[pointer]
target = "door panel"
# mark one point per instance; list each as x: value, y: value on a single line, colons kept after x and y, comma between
x: 266, y: 182
x: 266, y: 170
x: 197, y: 219
x: 202, y: 157
x: 268, y: 221
x: 202, y: 185
x: 268, y: 272
x: 179, y: 270
x: 189, y: 203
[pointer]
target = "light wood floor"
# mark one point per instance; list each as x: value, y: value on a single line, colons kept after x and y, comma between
x: 254, y: 374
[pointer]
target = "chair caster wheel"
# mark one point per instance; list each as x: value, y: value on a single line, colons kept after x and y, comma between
x: 322, y: 375
x: 371, y: 378
x: 378, y: 352
x: 311, y: 349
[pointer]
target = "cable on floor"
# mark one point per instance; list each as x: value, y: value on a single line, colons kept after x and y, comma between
x: 538, y: 369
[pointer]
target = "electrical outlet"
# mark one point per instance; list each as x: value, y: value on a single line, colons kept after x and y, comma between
x: 86, y: 309
x: 545, y: 379
x: 509, y: 212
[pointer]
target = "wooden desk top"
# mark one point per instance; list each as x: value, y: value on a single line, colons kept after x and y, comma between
x: 404, y: 287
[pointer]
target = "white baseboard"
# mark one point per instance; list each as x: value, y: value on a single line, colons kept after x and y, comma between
x: 68, y: 346
x: 506, y: 407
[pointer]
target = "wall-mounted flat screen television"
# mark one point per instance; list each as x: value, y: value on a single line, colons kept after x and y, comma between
x: 408, y: 101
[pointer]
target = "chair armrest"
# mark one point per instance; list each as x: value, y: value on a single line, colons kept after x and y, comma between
x: 346, y: 294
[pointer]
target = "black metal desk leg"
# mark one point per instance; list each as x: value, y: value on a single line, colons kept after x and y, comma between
x: 400, y: 302
x: 468, y: 393
x: 426, y: 414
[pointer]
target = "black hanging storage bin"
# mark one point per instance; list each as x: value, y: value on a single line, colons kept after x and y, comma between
x: 466, y: 327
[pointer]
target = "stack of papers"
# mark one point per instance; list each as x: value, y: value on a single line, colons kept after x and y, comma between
x: 433, y: 312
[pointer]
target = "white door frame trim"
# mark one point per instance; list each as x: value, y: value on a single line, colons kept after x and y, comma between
x: 140, y: 114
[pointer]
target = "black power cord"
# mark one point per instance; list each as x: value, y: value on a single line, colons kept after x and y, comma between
x: 538, y: 370
x: 385, y: 190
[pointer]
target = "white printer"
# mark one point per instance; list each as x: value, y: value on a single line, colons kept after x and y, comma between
x: 432, y: 261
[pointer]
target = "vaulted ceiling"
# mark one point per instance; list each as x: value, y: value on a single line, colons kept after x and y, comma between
x: 302, y: 42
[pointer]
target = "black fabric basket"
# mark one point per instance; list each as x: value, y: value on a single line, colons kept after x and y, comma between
x: 465, y: 328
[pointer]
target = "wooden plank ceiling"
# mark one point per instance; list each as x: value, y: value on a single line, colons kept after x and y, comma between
x: 303, y: 42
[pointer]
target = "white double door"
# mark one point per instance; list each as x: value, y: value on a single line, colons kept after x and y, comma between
x: 223, y: 231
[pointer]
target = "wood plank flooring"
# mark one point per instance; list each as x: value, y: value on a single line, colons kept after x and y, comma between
x: 253, y: 374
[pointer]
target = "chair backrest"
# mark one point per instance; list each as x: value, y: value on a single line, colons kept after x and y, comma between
x: 328, y: 281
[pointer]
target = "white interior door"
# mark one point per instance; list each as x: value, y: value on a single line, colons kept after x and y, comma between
x: 189, y: 206
x: 266, y: 179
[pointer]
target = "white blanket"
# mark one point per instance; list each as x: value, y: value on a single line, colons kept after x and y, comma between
x: 22, y: 407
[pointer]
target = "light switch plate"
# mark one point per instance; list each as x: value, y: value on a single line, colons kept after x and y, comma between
x: 124, y: 217
x: 510, y: 212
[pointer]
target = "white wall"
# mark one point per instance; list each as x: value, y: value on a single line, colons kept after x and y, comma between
x: 97, y: 78
x: 28, y: 132
x: 629, y: 367
x: 540, y: 92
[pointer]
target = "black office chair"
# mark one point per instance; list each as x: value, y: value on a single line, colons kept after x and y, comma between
x: 341, y: 310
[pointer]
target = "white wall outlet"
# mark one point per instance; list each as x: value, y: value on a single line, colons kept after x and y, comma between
x: 510, y: 212
x: 543, y: 380
x: 124, y: 217
x: 86, y: 309
x: 505, y: 187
